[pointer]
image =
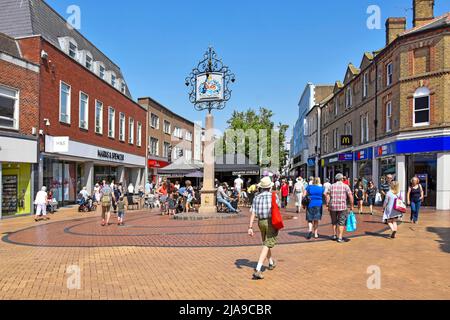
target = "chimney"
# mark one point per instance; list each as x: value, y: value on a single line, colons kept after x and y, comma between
x: 423, y: 12
x: 394, y: 27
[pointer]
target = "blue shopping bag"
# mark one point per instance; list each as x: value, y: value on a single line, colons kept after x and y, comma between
x: 351, y: 222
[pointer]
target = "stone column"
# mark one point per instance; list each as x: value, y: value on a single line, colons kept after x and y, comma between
x: 443, y: 182
x: 354, y: 172
x: 375, y: 173
x: 89, y: 176
x: 208, y: 192
x: 401, y: 173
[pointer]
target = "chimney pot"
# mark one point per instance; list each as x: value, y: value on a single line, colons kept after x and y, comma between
x: 423, y: 12
x: 394, y: 27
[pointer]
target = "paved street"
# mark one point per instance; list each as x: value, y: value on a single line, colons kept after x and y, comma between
x: 152, y: 257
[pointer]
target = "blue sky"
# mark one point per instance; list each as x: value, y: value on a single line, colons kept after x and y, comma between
x: 273, y: 47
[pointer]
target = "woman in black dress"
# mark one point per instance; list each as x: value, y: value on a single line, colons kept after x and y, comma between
x: 359, y: 196
x: 371, y: 195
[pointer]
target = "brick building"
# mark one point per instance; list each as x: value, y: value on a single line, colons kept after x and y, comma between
x: 91, y: 127
x: 19, y: 114
x: 170, y: 137
x: 396, y: 106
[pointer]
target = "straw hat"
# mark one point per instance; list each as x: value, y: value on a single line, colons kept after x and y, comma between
x: 265, y: 183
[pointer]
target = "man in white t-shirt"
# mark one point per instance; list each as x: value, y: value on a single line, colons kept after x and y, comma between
x: 41, y: 204
x: 238, y: 182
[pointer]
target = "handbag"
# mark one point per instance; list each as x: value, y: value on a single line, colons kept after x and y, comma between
x: 399, y: 205
x: 351, y: 223
x: 277, y: 220
x: 306, y: 201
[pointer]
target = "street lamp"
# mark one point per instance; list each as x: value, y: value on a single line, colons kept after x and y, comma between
x: 210, y: 90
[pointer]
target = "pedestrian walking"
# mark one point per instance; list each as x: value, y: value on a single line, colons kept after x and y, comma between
x: 415, y: 197
x: 291, y: 185
x: 121, y: 211
x: 106, y: 197
x: 299, y: 190
x: 41, y: 202
x: 391, y: 213
x: 386, y: 186
x: 327, y: 185
x: 359, y: 195
x: 338, y: 200
x: 316, y: 193
x: 371, y: 195
x: 262, y: 209
x: 284, y: 194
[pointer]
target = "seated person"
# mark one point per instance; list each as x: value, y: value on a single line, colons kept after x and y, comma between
x: 222, y: 197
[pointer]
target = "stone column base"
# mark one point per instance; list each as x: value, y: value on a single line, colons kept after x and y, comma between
x: 208, y: 205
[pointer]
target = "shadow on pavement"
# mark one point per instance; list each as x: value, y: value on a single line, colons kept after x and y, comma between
x: 245, y: 263
x: 444, y: 234
x: 379, y: 235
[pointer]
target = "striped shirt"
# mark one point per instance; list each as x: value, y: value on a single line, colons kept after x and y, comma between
x: 338, y: 193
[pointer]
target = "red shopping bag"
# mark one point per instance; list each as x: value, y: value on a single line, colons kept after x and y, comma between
x: 277, y: 220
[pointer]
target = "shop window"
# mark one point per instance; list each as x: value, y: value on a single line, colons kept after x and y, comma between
x: 98, y: 117
x: 421, y: 115
x: 64, y: 103
x: 84, y: 110
x: 9, y: 108
x: 16, y: 188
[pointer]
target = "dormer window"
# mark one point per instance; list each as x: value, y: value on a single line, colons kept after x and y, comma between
x: 123, y: 87
x: 88, y: 62
x: 72, y: 49
x: 113, y: 80
x: 101, y: 71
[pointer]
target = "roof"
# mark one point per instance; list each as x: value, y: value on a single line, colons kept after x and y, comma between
x: 166, y: 109
x: 9, y: 46
x: 22, y: 18
x: 322, y: 91
x: 441, y: 21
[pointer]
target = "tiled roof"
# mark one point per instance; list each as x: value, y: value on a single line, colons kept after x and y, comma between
x: 441, y: 21
x: 21, y: 18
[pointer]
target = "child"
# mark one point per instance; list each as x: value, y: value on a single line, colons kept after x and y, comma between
x: 121, y: 209
x: 172, y: 204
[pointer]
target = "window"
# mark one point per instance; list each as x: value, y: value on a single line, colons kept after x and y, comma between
x: 348, y: 128
x: 188, y: 136
x: 101, y: 72
x: 139, y: 135
x: 389, y: 116
x: 64, y: 103
x: 365, y: 84
x: 88, y: 62
x: 389, y: 72
x: 365, y: 128
x: 305, y: 127
x: 188, y: 155
x: 178, y: 133
x: 335, y: 138
x: 122, y: 126
x: 178, y: 153
x: 421, y: 107
x: 111, y: 122
x: 98, y: 117
x: 113, y: 80
x: 72, y: 50
x: 154, y: 121
x: 131, y: 131
x: 84, y: 110
x: 336, y: 106
x: 348, y: 97
x: 9, y: 108
x: 166, y: 150
x: 123, y: 87
x: 154, y: 146
x: 325, y: 143
x: 166, y: 127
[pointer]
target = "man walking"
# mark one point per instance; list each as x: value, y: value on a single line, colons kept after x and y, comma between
x: 262, y: 209
x: 338, y: 199
x: 386, y: 186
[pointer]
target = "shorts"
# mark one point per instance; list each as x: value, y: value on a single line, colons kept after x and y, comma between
x: 371, y: 201
x: 339, y: 218
x: 105, y: 209
x: 121, y: 214
x: 314, y: 214
x: 268, y: 233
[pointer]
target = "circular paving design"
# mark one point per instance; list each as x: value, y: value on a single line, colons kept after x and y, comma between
x: 149, y: 229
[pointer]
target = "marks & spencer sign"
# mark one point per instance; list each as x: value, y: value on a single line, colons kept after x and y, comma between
x: 103, y: 154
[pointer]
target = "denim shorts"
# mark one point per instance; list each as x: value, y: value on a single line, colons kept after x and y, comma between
x: 314, y: 214
x: 121, y: 214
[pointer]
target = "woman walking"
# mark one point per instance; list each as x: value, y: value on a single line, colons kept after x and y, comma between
x: 371, y: 195
x: 284, y: 194
x: 415, y: 197
x: 299, y: 190
x: 314, y: 211
x: 359, y: 196
x: 390, y: 214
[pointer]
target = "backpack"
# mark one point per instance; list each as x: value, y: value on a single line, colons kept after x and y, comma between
x: 106, y: 198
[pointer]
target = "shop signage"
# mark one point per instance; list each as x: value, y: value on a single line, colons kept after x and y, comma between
x: 210, y: 87
x: 333, y: 160
x: 311, y: 162
x: 157, y: 164
x: 366, y: 154
x: 346, y: 140
x: 385, y: 150
x: 348, y: 156
x: 245, y: 173
x: 110, y: 155
x: 57, y: 144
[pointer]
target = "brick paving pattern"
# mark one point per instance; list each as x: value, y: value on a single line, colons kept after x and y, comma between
x: 153, y: 257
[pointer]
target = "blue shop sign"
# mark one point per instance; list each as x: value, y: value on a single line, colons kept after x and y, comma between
x: 385, y: 150
x: 348, y: 156
x: 365, y: 154
x: 311, y: 162
x: 436, y: 144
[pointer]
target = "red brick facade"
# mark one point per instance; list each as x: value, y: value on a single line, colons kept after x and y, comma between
x: 60, y: 67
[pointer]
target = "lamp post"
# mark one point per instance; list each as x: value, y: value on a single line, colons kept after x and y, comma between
x: 209, y: 83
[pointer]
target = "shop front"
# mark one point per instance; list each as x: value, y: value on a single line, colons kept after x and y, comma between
x: 340, y: 163
x: 364, y: 165
x: 17, y: 167
x: 67, y: 166
x: 385, y: 155
x: 153, y: 166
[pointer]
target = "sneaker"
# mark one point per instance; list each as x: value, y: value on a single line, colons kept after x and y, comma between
x: 273, y: 266
x: 258, y: 275
x: 309, y: 236
x: 334, y: 238
x: 340, y: 240
x: 393, y: 234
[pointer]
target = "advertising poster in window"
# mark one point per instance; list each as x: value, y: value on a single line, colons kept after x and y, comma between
x: 209, y: 87
x: 423, y: 177
x: 9, y: 195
